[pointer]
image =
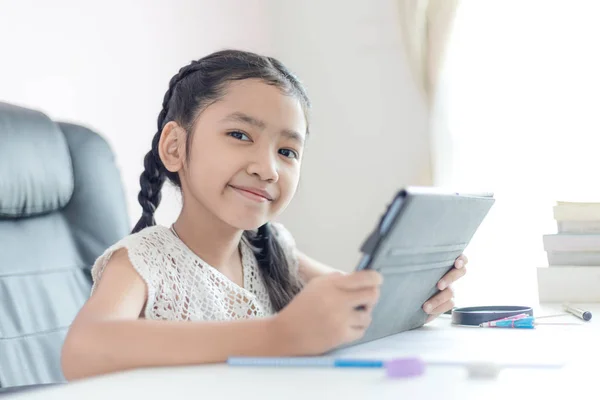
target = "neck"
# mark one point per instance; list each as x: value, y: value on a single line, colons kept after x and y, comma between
x: 211, y: 239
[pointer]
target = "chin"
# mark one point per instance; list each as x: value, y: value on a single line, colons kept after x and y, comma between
x: 248, y: 225
x: 245, y: 219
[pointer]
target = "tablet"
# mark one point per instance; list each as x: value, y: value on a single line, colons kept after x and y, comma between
x: 415, y: 243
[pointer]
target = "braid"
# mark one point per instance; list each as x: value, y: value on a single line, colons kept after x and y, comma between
x: 151, y: 182
x: 154, y: 175
x: 271, y: 259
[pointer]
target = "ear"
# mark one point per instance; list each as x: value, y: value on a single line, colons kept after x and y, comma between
x: 171, y: 146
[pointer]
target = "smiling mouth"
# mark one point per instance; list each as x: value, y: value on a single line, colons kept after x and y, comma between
x: 253, y: 194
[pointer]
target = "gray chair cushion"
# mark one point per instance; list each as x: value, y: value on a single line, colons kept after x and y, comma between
x: 45, y: 257
x: 46, y: 183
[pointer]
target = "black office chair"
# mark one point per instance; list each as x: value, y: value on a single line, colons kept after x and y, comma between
x: 61, y: 205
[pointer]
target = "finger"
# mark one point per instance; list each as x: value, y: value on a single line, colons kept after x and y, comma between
x: 353, y: 334
x: 359, y: 280
x: 451, y: 277
x: 363, y: 297
x: 442, y: 308
x: 360, y: 320
x: 461, y: 261
x: 437, y: 300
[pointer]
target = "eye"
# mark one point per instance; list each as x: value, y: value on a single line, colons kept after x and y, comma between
x: 239, y: 136
x: 288, y: 153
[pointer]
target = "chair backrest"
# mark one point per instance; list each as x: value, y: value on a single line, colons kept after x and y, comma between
x: 61, y: 205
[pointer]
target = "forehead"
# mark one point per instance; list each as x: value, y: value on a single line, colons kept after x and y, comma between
x: 262, y: 101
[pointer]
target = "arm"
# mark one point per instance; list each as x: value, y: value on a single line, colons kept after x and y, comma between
x: 108, y: 336
x: 309, y: 268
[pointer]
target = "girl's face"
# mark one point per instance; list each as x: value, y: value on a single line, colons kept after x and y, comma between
x: 245, y: 154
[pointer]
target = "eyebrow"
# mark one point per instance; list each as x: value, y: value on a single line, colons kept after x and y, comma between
x: 247, y: 119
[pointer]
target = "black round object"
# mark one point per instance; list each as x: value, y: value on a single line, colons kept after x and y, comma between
x: 478, y: 315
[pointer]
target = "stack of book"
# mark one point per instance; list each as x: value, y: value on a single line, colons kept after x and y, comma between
x: 573, y: 271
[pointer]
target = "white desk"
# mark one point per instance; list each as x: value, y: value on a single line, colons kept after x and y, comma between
x: 578, y: 345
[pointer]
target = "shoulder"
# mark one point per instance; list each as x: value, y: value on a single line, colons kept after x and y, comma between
x: 140, y: 250
x: 152, y: 234
x: 149, y: 240
x: 146, y: 243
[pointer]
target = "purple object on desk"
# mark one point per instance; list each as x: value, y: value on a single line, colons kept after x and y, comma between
x: 404, y: 367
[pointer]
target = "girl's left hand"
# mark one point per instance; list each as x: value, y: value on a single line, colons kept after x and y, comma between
x: 444, y: 301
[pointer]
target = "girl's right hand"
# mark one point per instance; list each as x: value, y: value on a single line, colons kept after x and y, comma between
x: 324, y: 314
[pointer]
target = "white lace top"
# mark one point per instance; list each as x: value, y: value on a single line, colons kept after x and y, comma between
x: 182, y: 287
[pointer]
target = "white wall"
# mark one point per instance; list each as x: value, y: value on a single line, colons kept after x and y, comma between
x: 107, y: 65
x: 368, y: 122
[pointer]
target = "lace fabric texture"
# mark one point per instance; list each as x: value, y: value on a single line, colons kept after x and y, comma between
x: 183, y: 287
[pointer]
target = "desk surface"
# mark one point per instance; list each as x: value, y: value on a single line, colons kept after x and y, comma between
x: 576, y: 345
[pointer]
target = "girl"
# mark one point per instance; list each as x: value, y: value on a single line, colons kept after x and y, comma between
x: 222, y: 280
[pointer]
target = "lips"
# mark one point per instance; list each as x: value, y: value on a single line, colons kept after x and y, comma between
x: 255, y: 191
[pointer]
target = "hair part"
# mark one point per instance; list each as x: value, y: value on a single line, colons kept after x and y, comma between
x: 191, y: 90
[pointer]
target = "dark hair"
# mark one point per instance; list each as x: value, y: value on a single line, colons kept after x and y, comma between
x: 196, y: 86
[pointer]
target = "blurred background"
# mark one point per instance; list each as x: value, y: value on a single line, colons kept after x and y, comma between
x: 475, y: 95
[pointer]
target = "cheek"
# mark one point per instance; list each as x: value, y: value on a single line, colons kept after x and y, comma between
x: 208, y: 173
x: 288, y: 183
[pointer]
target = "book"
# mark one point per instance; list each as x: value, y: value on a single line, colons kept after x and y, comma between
x: 572, y: 211
x: 572, y: 249
x: 560, y: 242
x: 568, y: 284
x: 580, y: 258
x: 580, y: 227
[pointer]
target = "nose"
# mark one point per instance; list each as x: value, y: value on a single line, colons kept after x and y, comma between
x: 263, y: 164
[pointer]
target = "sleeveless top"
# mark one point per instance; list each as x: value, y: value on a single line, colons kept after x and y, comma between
x: 183, y: 287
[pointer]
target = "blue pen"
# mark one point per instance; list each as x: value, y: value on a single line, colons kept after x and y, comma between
x: 304, y: 362
x: 395, y: 368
